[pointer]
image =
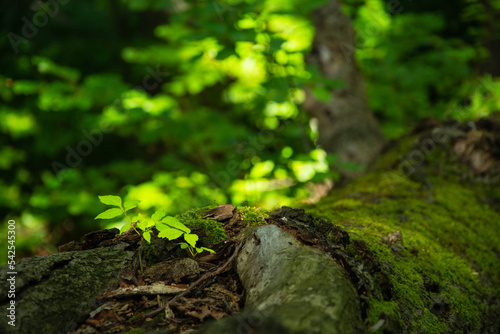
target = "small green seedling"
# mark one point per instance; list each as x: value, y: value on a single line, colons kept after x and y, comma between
x: 168, y: 226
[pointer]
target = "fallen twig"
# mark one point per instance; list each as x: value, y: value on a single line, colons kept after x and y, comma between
x: 158, y: 288
x: 194, y: 284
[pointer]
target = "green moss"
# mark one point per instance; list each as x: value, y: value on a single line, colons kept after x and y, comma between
x: 135, y: 331
x: 135, y: 317
x: 211, y: 230
x: 347, y: 204
x: 452, y: 237
x: 403, y: 144
x: 377, y: 307
x: 253, y: 215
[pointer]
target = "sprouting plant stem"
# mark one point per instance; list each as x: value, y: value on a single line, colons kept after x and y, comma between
x: 130, y: 222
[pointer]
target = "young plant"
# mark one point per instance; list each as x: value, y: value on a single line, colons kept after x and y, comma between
x: 169, y: 227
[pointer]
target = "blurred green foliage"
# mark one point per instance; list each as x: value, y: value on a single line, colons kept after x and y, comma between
x: 182, y: 104
x: 420, y: 59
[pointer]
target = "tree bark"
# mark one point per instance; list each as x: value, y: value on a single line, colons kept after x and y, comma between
x: 346, y: 125
x: 56, y: 293
x: 412, y: 247
x: 290, y: 288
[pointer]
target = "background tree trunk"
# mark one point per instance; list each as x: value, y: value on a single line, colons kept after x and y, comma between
x: 346, y: 125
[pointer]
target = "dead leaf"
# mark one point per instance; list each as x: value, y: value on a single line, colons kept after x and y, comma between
x: 168, y: 313
x: 201, y: 308
x: 220, y: 213
x: 158, y: 288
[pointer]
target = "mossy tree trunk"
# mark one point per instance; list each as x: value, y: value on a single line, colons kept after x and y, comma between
x: 420, y: 255
x: 56, y: 293
x: 429, y: 220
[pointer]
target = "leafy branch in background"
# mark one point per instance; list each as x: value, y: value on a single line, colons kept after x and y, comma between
x: 169, y: 227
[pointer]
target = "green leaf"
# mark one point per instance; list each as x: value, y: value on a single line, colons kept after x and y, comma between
x: 147, y: 236
x: 138, y: 217
x: 111, y: 200
x: 142, y: 224
x: 184, y: 245
x: 125, y: 227
x: 158, y: 215
x: 191, y: 239
x: 169, y: 233
x: 174, y: 222
x: 26, y: 87
x: 130, y: 204
x: 206, y: 249
x: 108, y: 214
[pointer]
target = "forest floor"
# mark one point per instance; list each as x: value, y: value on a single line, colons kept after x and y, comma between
x: 178, y: 293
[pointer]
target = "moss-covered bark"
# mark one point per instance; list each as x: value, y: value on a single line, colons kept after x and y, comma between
x: 445, y: 271
x: 290, y: 288
x: 55, y: 293
x: 422, y: 250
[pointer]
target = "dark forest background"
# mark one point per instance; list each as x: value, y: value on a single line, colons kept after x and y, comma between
x: 184, y: 103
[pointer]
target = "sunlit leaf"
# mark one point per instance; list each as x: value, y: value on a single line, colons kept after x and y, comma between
x: 111, y: 200
x: 169, y: 233
x: 130, y: 204
x: 147, y: 236
x: 191, y: 239
x: 205, y: 249
x: 158, y: 215
x: 174, y: 222
x: 108, y: 214
x: 142, y: 225
x: 124, y: 227
x: 143, y: 221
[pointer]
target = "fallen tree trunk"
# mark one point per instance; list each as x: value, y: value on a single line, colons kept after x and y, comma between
x: 56, y: 293
x: 429, y: 218
x: 420, y: 255
x: 290, y: 288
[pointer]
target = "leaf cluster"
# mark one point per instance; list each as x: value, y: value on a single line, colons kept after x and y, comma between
x: 169, y: 227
